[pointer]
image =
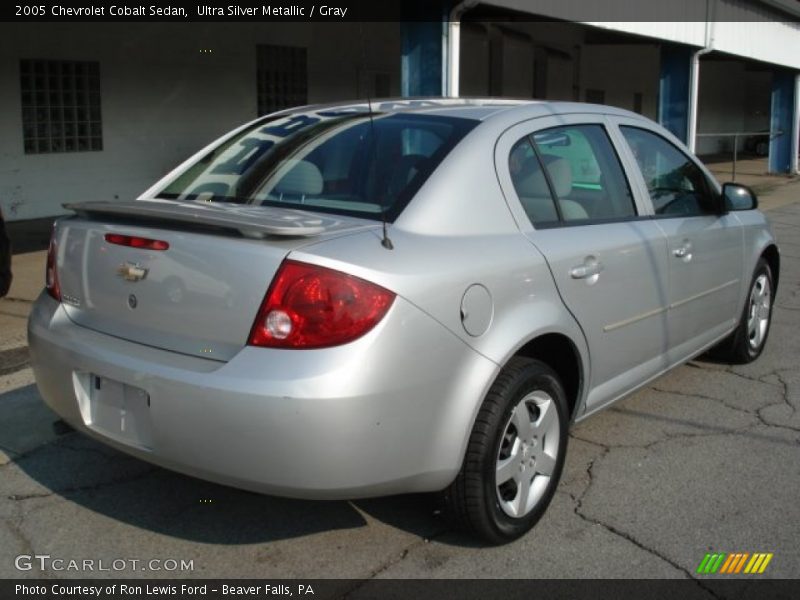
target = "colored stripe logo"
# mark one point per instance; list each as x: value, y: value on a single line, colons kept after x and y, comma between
x: 734, y: 563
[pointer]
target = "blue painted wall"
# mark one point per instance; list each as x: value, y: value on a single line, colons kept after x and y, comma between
x: 421, y: 61
x: 673, y: 90
x: 781, y: 119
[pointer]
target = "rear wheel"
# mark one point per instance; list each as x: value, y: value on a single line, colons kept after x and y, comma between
x: 747, y: 341
x: 515, y: 454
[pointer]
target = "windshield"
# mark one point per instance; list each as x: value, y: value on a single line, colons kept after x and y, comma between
x: 344, y: 163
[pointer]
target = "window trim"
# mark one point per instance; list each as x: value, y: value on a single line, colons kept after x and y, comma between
x: 710, y: 181
x: 562, y: 222
x: 548, y: 180
x: 461, y: 128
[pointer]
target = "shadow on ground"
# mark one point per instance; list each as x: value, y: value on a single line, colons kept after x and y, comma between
x: 103, y: 480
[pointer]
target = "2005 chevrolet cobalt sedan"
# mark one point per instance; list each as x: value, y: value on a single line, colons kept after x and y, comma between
x: 408, y: 296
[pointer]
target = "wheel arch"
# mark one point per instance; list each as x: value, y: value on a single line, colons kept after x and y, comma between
x: 773, y: 258
x: 467, y: 499
x: 561, y: 354
x: 558, y: 350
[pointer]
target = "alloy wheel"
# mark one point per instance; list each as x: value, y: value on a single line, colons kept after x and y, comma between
x: 526, y: 459
x: 758, y: 312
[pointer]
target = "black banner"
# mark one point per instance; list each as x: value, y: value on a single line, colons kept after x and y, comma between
x: 225, y: 11
x: 372, y: 10
x: 388, y: 589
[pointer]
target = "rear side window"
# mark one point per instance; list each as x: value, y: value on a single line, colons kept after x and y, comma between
x: 570, y: 175
x: 676, y: 184
x: 327, y: 162
x: 531, y: 184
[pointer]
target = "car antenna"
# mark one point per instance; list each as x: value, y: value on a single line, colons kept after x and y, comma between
x: 385, y: 241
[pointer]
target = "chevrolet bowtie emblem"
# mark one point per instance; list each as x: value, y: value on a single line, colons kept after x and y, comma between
x: 131, y: 272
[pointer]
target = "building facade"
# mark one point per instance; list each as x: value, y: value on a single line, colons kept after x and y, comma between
x: 100, y: 111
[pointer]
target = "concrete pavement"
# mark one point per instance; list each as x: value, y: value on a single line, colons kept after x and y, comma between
x: 707, y: 458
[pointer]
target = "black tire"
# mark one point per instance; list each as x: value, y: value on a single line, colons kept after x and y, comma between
x: 473, y: 500
x: 741, y: 347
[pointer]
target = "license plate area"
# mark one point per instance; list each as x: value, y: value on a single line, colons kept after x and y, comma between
x: 115, y: 409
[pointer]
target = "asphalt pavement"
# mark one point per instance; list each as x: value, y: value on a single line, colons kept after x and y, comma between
x: 705, y: 459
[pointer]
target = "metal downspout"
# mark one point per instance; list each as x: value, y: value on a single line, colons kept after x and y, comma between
x: 454, y: 45
x: 694, y: 76
x: 796, y: 128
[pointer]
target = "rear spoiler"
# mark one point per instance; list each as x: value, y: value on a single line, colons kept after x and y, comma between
x: 251, y: 221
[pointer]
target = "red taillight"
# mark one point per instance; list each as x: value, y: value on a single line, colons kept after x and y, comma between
x: 308, y: 306
x: 136, y: 242
x: 51, y: 273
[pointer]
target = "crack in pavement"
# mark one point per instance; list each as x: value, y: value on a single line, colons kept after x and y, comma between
x: 667, y: 437
x: 592, y: 442
x: 778, y: 375
x: 394, y: 560
x: 27, y: 546
x: 13, y: 360
x: 62, y: 442
x: 19, y: 456
x: 15, y: 299
x: 729, y: 369
x: 754, y: 413
x: 717, y: 430
x: 692, y: 364
x: 671, y: 437
x: 785, y: 397
x: 578, y: 500
x: 83, y: 488
x: 704, y: 397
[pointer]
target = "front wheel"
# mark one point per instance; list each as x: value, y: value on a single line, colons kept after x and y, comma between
x: 515, y: 454
x: 747, y: 341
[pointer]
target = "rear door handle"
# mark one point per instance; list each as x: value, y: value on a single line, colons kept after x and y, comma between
x: 590, y: 267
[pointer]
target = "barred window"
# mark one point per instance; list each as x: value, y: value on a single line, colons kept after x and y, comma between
x: 60, y: 106
x: 282, y: 77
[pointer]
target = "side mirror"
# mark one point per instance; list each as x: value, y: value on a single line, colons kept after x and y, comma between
x: 738, y: 197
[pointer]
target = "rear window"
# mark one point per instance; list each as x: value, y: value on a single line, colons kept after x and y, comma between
x: 326, y: 162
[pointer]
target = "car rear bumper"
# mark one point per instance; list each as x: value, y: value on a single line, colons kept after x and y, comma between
x: 389, y: 413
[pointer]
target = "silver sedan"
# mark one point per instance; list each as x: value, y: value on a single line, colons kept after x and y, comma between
x: 408, y: 296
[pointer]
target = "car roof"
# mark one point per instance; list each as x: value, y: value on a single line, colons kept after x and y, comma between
x: 476, y: 109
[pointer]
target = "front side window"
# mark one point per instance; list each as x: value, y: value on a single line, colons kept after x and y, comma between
x: 676, y: 184
x: 570, y: 174
x: 343, y: 163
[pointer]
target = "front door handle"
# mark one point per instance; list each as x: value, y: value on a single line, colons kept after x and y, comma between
x: 684, y: 252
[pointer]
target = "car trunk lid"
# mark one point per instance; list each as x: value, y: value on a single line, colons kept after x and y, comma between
x: 198, y: 290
